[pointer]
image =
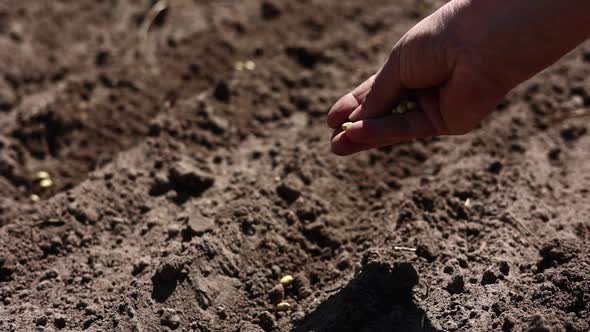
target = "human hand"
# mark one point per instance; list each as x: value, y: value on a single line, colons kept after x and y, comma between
x: 458, y: 64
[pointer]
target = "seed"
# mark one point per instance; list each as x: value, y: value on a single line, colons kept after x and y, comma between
x: 287, y: 280
x: 346, y: 126
x: 35, y: 198
x: 283, y: 306
x: 46, y: 183
x: 42, y: 175
x: 411, y: 105
x: 250, y: 65
x: 239, y: 66
x: 401, y: 109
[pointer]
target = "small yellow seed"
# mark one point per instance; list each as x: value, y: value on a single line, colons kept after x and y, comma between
x: 35, y: 198
x: 346, y: 126
x: 283, y: 306
x: 401, y: 109
x: 239, y: 66
x: 287, y: 280
x: 250, y: 65
x: 42, y: 175
x: 46, y: 183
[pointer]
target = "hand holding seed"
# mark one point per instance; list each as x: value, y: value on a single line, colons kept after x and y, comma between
x: 456, y: 64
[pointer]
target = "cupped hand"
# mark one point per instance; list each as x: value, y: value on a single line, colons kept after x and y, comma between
x: 457, y: 64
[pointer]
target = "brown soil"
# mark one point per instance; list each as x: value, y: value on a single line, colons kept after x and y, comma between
x: 184, y: 189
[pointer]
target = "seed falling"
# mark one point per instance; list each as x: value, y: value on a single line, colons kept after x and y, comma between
x: 346, y: 126
x: 287, y: 280
x: 283, y: 306
x: 46, y: 183
x: 42, y: 175
x: 35, y: 198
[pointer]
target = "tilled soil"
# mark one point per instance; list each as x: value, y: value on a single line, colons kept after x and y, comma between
x: 191, y: 171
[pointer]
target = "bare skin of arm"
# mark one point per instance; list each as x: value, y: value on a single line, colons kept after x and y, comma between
x: 460, y: 62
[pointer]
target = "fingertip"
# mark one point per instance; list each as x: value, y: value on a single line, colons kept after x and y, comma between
x: 341, y: 145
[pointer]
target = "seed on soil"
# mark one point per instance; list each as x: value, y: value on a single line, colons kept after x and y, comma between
x: 283, y: 306
x: 287, y: 280
x: 46, y: 183
x: 42, y: 175
x: 346, y: 126
x: 249, y: 65
x: 35, y: 198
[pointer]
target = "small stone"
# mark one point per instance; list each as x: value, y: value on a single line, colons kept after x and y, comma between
x: 508, y: 324
x: 41, y: 321
x: 170, y: 319
x: 7, y: 97
x: 495, y: 167
x: 49, y: 274
x: 297, y: 316
x: 173, y: 230
x: 489, y: 277
x: 276, y: 294
x: 538, y: 325
x: 456, y: 285
x: 427, y: 252
x: 140, y: 265
x: 188, y: 177
x: 90, y: 310
x: 290, y: 188
x: 266, y: 320
x: 59, y: 321
x: 270, y: 10
x: 504, y: 268
x: 200, y: 225
x: 222, y: 92
x: 167, y: 271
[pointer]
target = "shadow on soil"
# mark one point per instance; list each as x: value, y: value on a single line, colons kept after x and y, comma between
x: 379, y: 299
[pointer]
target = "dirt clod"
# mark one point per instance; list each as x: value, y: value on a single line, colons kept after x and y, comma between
x: 276, y: 294
x: 456, y: 285
x: 489, y: 277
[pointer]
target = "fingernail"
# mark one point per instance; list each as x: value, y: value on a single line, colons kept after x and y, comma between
x: 346, y: 125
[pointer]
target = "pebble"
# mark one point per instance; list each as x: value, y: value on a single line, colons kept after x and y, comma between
x: 170, y: 319
x: 290, y: 189
x: 276, y: 294
x: 41, y: 321
x: 267, y: 321
x: 49, y: 274
x: 489, y: 277
x: 456, y: 285
x: 504, y: 268
x: 59, y: 321
x: 140, y: 265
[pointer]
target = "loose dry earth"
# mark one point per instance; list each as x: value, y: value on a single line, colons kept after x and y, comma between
x: 186, y: 182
